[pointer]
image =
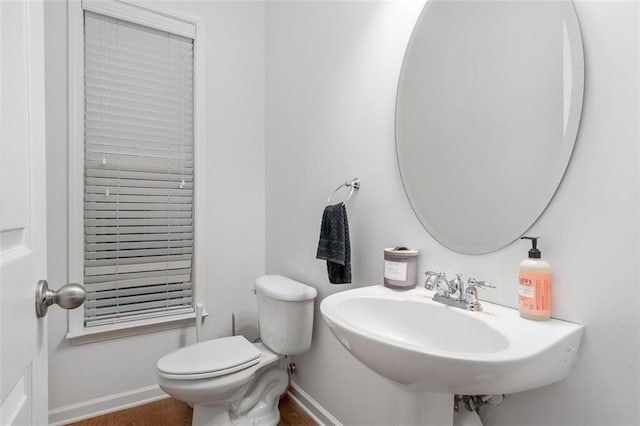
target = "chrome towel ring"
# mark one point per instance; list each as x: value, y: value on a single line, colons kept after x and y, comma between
x: 353, y: 184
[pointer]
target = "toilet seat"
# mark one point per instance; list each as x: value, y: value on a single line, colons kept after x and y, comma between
x: 213, y: 358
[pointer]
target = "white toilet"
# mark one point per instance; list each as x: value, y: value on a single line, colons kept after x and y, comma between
x: 230, y: 381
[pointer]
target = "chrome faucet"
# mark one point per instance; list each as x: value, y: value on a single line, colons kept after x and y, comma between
x: 454, y: 293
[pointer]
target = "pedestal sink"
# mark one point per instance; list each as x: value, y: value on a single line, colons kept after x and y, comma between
x: 425, y: 346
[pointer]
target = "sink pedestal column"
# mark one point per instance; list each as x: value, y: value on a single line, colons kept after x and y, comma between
x: 424, y: 408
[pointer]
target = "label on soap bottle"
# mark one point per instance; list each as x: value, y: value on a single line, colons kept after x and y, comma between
x: 535, y: 294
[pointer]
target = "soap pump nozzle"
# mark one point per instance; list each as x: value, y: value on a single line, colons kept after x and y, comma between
x: 534, y: 253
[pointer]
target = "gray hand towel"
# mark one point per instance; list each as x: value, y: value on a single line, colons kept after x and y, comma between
x: 334, y: 244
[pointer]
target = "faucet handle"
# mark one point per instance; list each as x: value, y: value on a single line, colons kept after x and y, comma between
x: 471, y: 294
x: 481, y: 284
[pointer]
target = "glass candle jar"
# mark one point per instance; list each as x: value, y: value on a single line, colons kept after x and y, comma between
x: 400, y: 268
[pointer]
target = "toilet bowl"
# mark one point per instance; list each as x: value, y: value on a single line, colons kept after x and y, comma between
x: 216, y: 390
x: 230, y: 381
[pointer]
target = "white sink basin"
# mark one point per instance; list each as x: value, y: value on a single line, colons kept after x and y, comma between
x: 427, y: 346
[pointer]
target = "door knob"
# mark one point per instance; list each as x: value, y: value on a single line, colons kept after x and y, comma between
x: 69, y: 296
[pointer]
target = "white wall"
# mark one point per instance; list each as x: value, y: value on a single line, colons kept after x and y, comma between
x: 235, y: 197
x: 332, y: 70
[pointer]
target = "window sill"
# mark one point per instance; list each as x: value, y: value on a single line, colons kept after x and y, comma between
x: 115, y: 331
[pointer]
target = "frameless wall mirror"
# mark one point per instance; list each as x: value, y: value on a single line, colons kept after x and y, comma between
x: 488, y: 107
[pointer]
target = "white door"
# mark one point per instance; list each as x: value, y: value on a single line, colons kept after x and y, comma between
x: 23, y: 373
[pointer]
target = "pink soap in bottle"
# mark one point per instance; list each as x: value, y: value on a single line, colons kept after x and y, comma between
x: 534, y: 294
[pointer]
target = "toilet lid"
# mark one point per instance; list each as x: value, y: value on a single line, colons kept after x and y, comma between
x: 224, y: 356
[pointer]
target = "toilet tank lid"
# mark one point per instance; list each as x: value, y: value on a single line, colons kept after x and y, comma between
x: 283, y: 288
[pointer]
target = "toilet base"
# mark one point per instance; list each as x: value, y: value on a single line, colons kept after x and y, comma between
x: 216, y: 416
x: 210, y: 416
x: 258, y: 406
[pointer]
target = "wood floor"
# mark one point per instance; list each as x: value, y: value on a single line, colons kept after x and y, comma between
x: 171, y: 412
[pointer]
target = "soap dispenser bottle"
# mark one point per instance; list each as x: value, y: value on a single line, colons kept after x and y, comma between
x: 535, y: 285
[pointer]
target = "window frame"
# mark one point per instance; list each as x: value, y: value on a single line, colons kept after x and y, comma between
x: 164, y: 20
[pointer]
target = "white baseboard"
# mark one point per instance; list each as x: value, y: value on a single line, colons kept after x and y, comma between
x: 121, y: 401
x: 108, y: 404
x: 316, y: 411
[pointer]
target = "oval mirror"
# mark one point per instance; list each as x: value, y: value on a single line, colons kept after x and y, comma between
x: 488, y: 107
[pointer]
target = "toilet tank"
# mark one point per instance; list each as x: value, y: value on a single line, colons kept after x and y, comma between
x: 285, y: 312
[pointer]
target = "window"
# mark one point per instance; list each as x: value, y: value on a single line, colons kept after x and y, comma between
x: 137, y: 169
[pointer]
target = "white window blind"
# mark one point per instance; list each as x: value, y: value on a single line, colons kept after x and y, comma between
x: 138, y: 200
